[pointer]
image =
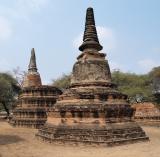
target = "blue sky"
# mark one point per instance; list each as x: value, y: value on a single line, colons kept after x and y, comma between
x: 128, y: 30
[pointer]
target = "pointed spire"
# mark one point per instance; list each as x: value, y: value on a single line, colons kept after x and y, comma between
x: 90, y: 37
x: 32, y: 78
x: 32, y: 64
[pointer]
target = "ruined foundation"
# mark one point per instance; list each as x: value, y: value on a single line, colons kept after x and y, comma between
x: 147, y: 113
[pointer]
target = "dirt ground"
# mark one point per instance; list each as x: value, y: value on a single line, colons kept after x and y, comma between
x: 16, y: 142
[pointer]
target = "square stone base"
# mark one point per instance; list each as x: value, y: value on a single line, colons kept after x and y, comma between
x: 109, y: 135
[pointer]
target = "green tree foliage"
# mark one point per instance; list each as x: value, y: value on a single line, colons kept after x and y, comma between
x: 155, y: 72
x: 62, y: 82
x: 155, y: 77
x: 8, y: 91
x: 137, y: 87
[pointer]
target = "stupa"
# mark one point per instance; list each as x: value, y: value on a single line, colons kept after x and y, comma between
x: 156, y: 89
x: 147, y: 113
x: 92, y: 110
x: 35, y: 100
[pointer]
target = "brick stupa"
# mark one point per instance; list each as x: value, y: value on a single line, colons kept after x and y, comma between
x: 35, y: 99
x: 92, y: 110
x: 147, y: 113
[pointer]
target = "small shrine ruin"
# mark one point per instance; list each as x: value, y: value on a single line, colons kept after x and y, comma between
x: 35, y: 99
x: 147, y: 113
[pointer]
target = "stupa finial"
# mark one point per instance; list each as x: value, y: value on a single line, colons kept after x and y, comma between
x: 90, y: 37
x: 32, y: 78
x: 32, y: 64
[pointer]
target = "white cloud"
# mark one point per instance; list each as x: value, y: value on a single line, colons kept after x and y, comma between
x: 78, y: 40
x: 4, y: 65
x: 105, y: 35
x: 156, y: 49
x: 115, y: 66
x: 32, y: 4
x: 147, y: 64
x: 5, y: 29
x: 21, y: 9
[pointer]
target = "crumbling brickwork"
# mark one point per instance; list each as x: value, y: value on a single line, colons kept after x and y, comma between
x: 35, y: 100
x: 147, y: 113
x: 91, y: 110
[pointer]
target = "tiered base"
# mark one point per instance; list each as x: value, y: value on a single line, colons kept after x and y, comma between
x: 29, y: 117
x: 148, y: 122
x: 110, y: 135
x: 28, y: 123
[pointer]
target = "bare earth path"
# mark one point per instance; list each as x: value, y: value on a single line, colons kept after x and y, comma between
x: 15, y: 142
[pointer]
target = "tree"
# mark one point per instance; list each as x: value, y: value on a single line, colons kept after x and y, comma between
x: 9, y: 89
x: 62, y: 82
x: 137, y: 87
x: 155, y: 72
x: 19, y: 75
x: 154, y: 75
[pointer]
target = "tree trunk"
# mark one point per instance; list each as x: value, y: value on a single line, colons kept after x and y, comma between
x: 6, y: 109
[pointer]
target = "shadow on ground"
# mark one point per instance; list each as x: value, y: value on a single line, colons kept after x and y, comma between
x: 9, y: 139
